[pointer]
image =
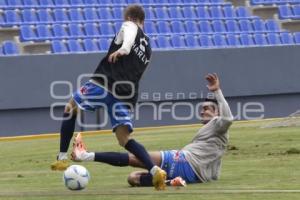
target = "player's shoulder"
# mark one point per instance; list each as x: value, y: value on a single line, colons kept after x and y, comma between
x: 130, y: 24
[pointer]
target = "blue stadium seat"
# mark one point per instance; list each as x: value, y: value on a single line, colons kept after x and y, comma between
x: 205, y: 41
x: 218, y: 26
x: 31, y: 3
x: 120, y: 2
x: 118, y: 12
x: 91, y: 2
x: 74, y: 46
x: 233, y: 40
x: 105, y: 2
x: 12, y: 18
x: 242, y: 12
x: 134, y: 1
x: 103, y: 44
x: 150, y: 27
x: 273, y: 38
x: 259, y: 25
x: 149, y: 13
x: 202, y: 12
x: 229, y: 12
x: 163, y: 42
x: 14, y: 3
x: 163, y: 27
x: 59, y: 31
x: 246, y: 39
x: 216, y: 12
x: 107, y: 29
x: 91, y: 29
x: 219, y: 40
x: 175, y: 12
x: 46, y: 3
x: 191, y: 27
x: 60, y: 15
x: 177, y: 2
x: 296, y: 11
x: 118, y: 25
x: 90, y: 45
x: 44, y: 15
x: 232, y: 26
x: 178, y: 41
x: 76, y: 14
x: 285, y: 12
x: 90, y: 14
x: 272, y: 25
x: 286, y: 38
x: 189, y: 12
x: 260, y: 39
x: 10, y: 48
x: 43, y: 32
x: 105, y: 13
x: 75, y: 30
x: 205, y: 27
x: 77, y: 2
x: 61, y: 2
x: 297, y: 37
x: 153, y: 43
x: 58, y: 47
x: 245, y: 25
x: 191, y: 41
x: 162, y: 13
x: 177, y: 27
x: 27, y: 33
x: 29, y: 15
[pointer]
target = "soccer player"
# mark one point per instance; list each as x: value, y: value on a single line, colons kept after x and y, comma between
x: 197, y: 162
x: 114, y: 86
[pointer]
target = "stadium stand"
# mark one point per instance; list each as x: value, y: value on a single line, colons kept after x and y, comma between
x: 72, y: 26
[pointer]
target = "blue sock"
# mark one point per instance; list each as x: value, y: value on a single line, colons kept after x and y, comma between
x: 146, y: 180
x: 113, y: 158
x: 140, y: 152
x: 66, y: 131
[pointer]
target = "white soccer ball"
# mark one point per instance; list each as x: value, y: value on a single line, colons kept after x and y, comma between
x: 76, y: 177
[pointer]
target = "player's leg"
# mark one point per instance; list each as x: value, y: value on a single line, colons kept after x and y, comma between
x: 140, y: 178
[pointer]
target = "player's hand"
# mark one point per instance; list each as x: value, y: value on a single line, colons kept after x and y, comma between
x: 213, y: 82
x: 115, y: 56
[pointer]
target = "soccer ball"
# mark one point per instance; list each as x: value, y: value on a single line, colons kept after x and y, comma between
x: 76, y: 177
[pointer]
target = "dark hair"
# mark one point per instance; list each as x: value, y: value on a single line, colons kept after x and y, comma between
x: 135, y: 13
x: 211, y: 100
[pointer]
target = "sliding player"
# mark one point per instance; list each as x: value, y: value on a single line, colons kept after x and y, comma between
x: 115, y: 86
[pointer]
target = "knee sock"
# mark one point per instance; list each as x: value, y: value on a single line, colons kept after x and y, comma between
x: 113, y: 158
x: 140, y: 152
x: 66, y: 132
x: 146, y: 180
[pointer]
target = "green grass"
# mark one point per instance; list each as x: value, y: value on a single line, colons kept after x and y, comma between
x: 258, y: 168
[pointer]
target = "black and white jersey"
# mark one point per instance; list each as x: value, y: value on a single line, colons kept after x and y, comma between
x: 122, y: 77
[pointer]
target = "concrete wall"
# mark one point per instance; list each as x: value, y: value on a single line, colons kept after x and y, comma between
x: 269, y: 75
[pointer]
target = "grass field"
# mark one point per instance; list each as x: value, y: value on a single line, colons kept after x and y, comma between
x: 260, y: 164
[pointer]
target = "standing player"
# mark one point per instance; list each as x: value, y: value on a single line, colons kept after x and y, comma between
x: 115, y: 86
x: 197, y: 162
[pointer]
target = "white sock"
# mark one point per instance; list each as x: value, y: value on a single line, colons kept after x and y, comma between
x: 62, y: 156
x: 153, y: 170
x: 87, y: 156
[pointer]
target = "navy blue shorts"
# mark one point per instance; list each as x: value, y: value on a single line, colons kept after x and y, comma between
x: 175, y: 164
x: 91, y: 97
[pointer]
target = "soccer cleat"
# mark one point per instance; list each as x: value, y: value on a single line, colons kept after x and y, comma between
x: 60, y: 165
x: 79, y: 149
x: 177, y: 182
x: 159, y: 179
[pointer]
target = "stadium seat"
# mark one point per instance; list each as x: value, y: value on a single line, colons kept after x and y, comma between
x: 163, y: 27
x: 10, y: 48
x: 245, y: 25
x: 27, y: 33
x: 233, y: 40
x: 58, y: 47
x: 272, y: 25
x: 74, y: 46
x: 118, y: 12
x: 75, y: 30
x: 296, y: 11
x: 175, y: 12
x: 232, y: 26
x: 242, y: 12
x: 105, y: 13
x: 90, y: 14
x: 149, y: 13
x: 286, y: 38
x: 273, y: 39
x: 285, y: 12
x: 205, y: 27
x: 120, y: 2
x: 191, y: 27
x: 29, y: 15
x: 202, y: 13
x: 91, y: 2
x: 107, y: 29
x: 178, y: 41
x: 46, y: 3
x: 43, y: 32
x: 59, y: 31
x: 14, y: 3
x: 76, y: 14
x: 148, y: 1
x: 118, y: 25
x: 12, y: 18
x: 219, y: 40
x: 259, y: 25
x: 31, y: 3
x: 105, y: 2
x: 229, y: 12
x: 246, y: 39
x: 205, y: 41
x: 134, y: 1
x: 44, y: 15
x: 191, y: 41
x: 162, y: 13
x: 163, y: 42
x: 91, y: 29
x: 260, y: 39
x: 297, y: 37
x: 77, y: 2
x: 103, y: 44
x: 150, y: 27
x: 60, y: 15
x: 189, y: 12
x: 61, y: 2
x: 177, y: 27
x: 216, y: 12
x: 218, y: 26
x: 153, y: 43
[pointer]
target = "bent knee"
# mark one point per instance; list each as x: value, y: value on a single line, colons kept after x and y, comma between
x: 134, y: 179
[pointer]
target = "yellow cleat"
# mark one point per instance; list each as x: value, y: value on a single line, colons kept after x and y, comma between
x: 60, y: 165
x: 159, y: 179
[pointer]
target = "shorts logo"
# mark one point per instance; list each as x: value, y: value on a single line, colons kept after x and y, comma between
x: 83, y: 90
